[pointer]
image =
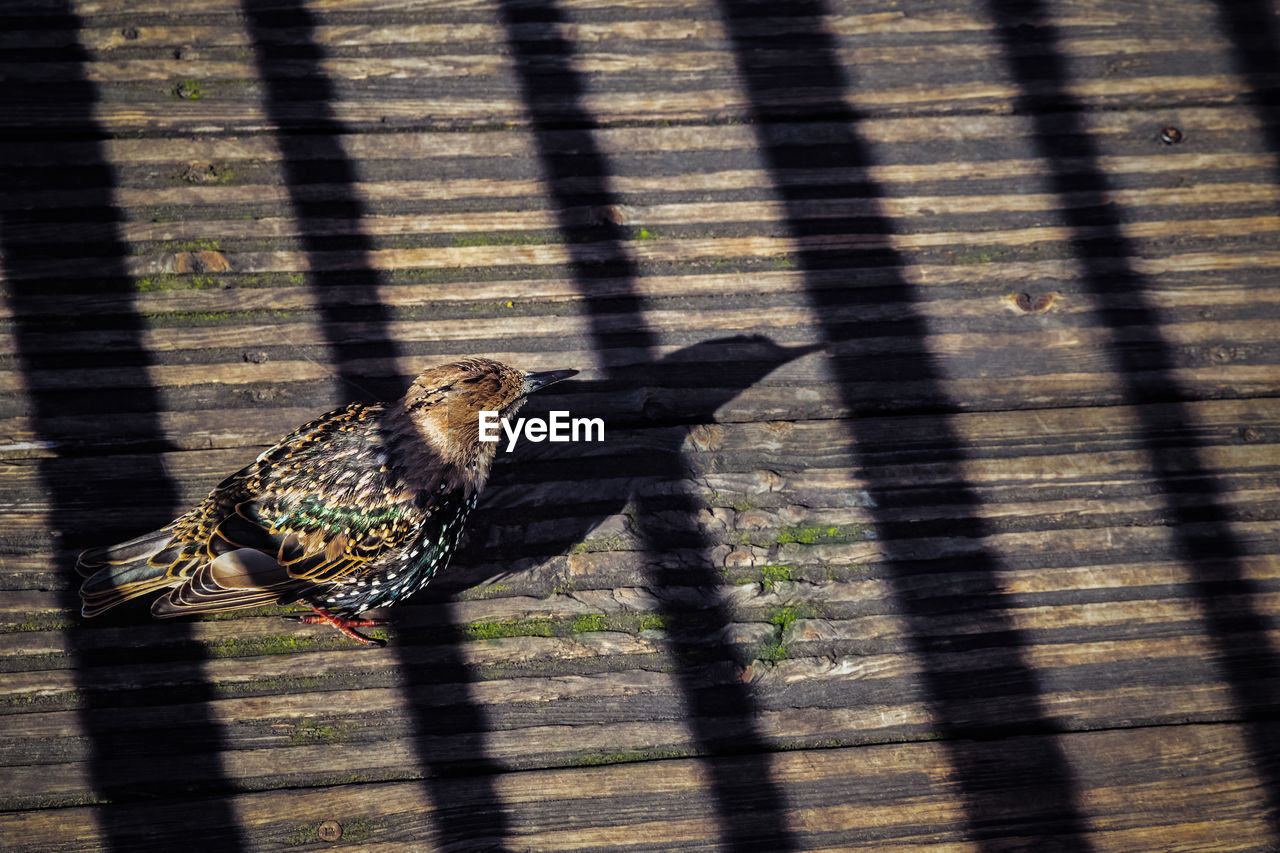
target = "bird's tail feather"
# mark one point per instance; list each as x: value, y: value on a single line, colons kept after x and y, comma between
x: 117, y: 573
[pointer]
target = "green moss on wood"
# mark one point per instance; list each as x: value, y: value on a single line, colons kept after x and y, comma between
x: 968, y: 255
x: 782, y: 618
x: 589, y: 622
x: 845, y: 572
x: 196, y: 318
x: 264, y: 610
x: 303, y: 834
x: 492, y: 630
x: 204, y: 174
x: 626, y: 623
x: 773, y: 652
x: 282, y: 644
x: 174, y: 281
x: 188, y: 90
x: 356, y: 829
x: 52, y: 621
x: 808, y: 535
x: 591, y: 546
x: 823, y: 535
x: 770, y: 575
x: 652, y: 622
x: 186, y: 246
x: 293, y: 684
x: 429, y: 275
x: 595, y: 759
x: 310, y: 731
x: 62, y: 801
x: 510, y: 238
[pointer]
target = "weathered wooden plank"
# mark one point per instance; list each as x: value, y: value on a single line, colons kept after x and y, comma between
x: 1064, y: 333
x: 711, y: 60
x: 1186, y: 280
x: 235, y: 108
x: 669, y: 250
x: 672, y: 23
x: 874, y: 19
x: 707, y: 214
x: 1017, y: 481
x: 1066, y: 351
x: 876, y: 798
x: 1227, y: 138
x: 598, y: 21
x: 893, y: 75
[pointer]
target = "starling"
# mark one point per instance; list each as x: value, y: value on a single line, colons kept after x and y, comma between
x: 357, y: 509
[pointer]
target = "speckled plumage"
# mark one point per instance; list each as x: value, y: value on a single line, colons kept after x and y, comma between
x: 358, y: 509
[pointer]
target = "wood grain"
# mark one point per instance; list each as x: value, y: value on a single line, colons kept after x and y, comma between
x: 994, y: 569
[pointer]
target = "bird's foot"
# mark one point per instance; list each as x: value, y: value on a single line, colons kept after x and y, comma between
x: 346, y: 626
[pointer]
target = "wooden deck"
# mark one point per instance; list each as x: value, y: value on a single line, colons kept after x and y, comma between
x: 938, y: 504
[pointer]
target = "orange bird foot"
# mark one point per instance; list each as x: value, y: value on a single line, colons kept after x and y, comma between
x: 346, y: 626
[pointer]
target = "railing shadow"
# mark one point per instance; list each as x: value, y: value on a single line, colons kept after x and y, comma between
x: 1254, y: 30
x: 1200, y: 529
x: 299, y: 100
x: 812, y: 84
x: 128, y: 767
x: 722, y: 719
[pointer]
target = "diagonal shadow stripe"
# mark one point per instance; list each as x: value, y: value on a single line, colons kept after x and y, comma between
x: 1200, y: 528
x: 299, y: 99
x: 722, y: 718
x: 128, y: 766
x: 815, y: 80
x: 1254, y: 29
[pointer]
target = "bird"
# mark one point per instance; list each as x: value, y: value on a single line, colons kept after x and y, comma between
x: 357, y: 509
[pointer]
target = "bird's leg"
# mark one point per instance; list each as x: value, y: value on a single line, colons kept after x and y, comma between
x: 346, y: 626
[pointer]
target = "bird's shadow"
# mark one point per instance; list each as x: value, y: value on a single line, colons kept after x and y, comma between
x: 546, y: 499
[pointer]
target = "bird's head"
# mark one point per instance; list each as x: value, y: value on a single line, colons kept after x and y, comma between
x: 444, y: 405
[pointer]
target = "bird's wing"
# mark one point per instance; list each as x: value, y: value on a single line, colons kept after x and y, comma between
x: 264, y: 554
x: 313, y: 509
x: 260, y: 561
x: 232, y: 581
x: 317, y: 539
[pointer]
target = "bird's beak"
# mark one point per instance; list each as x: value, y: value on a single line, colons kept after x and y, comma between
x: 534, y: 381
